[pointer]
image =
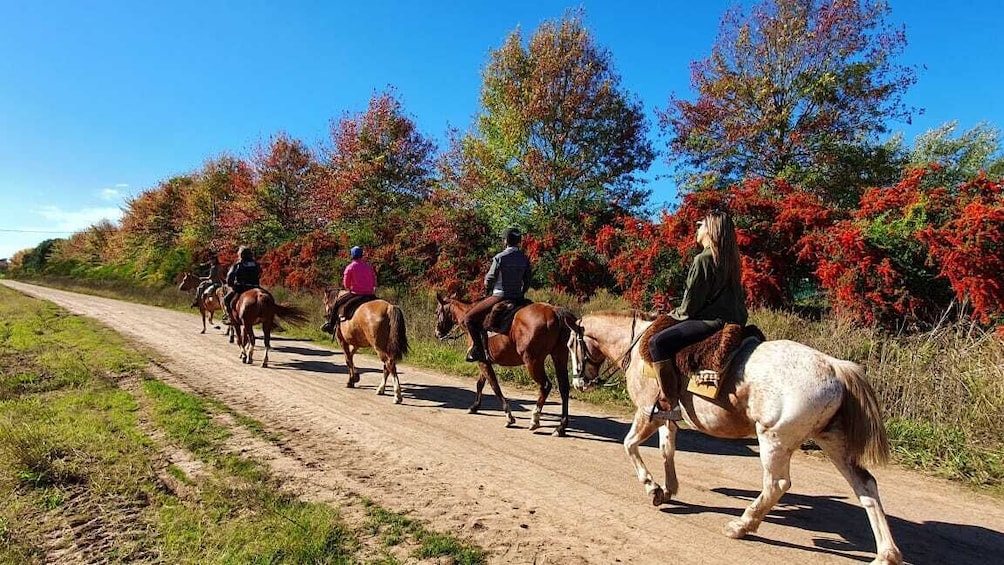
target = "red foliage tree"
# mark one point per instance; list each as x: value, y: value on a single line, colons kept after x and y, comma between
x: 969, y: 247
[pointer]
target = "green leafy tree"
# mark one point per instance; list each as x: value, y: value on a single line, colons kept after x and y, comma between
x: 791, y: 91
x: 556, y: 130
x: 960, y: 158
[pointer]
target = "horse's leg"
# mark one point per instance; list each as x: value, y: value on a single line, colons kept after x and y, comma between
x: 561, y: 374
x: 493, y: 381
x: 350, y: 351
x: 479, y: 388
x: 390, y: 370
x: 386, y: 373
x: 266, y: 330
x: 775, y: 457
x: 249, y: 341
x: 539, y: 374
x: 203, y: 311
x: 667, y: 445
x: 642, y: 428
x: 866, y: 489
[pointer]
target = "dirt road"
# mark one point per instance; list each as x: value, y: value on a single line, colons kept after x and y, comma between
x: 528, y: 497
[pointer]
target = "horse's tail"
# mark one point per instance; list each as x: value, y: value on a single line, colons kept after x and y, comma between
x: 291, y: 314
x: 397, y: 342
x: 860, y: 415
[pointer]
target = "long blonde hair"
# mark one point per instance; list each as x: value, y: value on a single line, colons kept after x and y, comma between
x: 724, y: 250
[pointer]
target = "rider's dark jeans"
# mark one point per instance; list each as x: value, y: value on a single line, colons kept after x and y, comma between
x: 475, y: 318
x: 668, y: 342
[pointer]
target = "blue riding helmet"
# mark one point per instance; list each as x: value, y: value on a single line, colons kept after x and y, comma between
x: 356, y: 252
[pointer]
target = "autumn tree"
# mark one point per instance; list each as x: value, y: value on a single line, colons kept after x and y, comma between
x: 794, y: 90
x: 278, y: 202
x: 556, y: 130
x: 207, y: 199
x: 379, y: 166
x: 150, y: 228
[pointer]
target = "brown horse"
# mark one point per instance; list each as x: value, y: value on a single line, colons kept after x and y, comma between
x: 377, y: 324
x: 208, y: 303
x: 257, y: 306
x: 538, y: 331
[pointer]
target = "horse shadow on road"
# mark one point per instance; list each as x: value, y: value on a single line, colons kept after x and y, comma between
x: 606, y: 429
x: 927, y: 543
x: 305, y: 351
x: 589, y: 428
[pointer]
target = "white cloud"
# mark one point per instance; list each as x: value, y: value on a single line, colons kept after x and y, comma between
x: 122, y: 185
x: 110, y: 194
x: 77, y: 220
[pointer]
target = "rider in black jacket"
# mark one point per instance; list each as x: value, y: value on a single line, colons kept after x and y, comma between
x: 244, y: 275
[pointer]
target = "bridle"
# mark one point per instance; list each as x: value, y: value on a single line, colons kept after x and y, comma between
x: 456, y: 332
x: 622, y: 362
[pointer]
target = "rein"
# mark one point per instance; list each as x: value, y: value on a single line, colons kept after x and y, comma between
x: 622, y: 361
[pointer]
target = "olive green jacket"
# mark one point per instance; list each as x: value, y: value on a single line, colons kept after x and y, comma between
x: 708, y: 296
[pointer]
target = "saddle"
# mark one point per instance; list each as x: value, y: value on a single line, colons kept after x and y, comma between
x: 346, y: 311
x: 704, y: 363
x: 499, y: 320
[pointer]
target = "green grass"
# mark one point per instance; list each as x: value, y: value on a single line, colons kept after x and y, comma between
x: 72, y: 452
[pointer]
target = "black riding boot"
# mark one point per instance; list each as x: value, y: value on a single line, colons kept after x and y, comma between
x: 478, y: 350
x: 667, y: 406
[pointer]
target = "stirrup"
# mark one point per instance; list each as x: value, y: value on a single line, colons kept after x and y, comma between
x: 657, y: 413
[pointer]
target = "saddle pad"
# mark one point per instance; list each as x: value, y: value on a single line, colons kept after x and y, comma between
x: 499, y: 320
x: 710, y: 354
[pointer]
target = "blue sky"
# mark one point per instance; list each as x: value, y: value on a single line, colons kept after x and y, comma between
x: 102, y: 100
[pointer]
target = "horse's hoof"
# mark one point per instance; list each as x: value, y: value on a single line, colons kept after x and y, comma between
x: 472, y: 410
x: 534, y: 426
x: 734, y: 529
x: 350, y: 384
x: 560, y: 432
x: 658, y: 496
x: 202, y: 332
x: 512, y: 420
x: 397, y: 400
x: 380, y: 392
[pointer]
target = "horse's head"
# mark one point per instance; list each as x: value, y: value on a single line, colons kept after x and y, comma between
x: 446, y: 319
x: 188, y: 282
x: 586, y: 358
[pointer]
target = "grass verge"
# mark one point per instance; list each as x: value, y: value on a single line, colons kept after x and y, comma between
x: 83, y: 470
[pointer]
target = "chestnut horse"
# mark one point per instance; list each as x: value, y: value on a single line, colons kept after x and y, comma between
x: 780, y: 391
x: 377, y: 324
x: 208, y: 303
x: 256, y: 306
x: 538, y: 331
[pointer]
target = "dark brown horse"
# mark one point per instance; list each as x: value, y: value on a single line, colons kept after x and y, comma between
x: 538, y: 331
x: 256, y: 306
x: 208, y: 303
x: 377, y: 324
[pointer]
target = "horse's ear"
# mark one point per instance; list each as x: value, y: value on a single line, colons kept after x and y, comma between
x: 439, y: 297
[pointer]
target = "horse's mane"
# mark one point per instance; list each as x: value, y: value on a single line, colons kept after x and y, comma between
x: 632, y: 313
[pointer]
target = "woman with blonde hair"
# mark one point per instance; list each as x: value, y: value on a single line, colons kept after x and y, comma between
x: 713, y: 296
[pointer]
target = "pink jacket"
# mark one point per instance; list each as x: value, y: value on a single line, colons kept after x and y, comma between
x: 359, y: 278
